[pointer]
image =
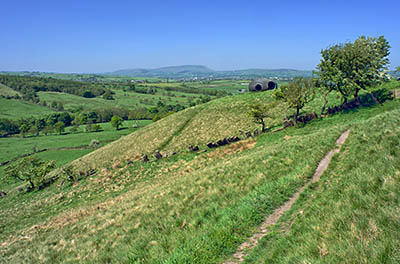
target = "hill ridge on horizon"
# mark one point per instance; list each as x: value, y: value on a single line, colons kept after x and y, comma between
x: 182, y: 71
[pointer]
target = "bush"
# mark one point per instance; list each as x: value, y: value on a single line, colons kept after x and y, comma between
x: 31, y: 170
x: 94, y: 143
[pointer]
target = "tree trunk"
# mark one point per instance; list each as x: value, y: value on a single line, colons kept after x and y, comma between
x: 32, y: 185
x: 297, y: 114
x: 324, y: 105
x: 374, y: 97
x: 263, y: 126
x: 356, y: 97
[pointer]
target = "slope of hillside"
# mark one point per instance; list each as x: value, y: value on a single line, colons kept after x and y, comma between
x: 7, y: 91
x: 198, y: 125
x: 15, y: 109
x: 352, y: 214
x: 189, y: 208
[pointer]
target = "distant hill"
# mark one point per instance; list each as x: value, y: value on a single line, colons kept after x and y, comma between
x: 188, y: 71
x: 177, y: 72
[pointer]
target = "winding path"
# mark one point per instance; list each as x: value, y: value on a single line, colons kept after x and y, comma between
x: 272, y: 219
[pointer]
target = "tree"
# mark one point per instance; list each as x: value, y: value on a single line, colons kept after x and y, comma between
x: 47, y: 129
x: 31, y: 170
x: 40, y: 124
x: 34, y: 130
x: 54, y: 105
x: 8, y: 127
x: 260, y: 112
x: 108, y: 95
x: 96, y: 128
x: 59, y: 127
x: 352, y: 67
x: 60, y: 106
x: 23, y: 129
x: 297, y: 94
x: 116, y: 122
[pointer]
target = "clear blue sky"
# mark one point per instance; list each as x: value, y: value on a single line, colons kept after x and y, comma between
x: 100, y: 36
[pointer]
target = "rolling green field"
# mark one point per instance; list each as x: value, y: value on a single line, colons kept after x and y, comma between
x: 129, y: 100
x: 15, y: 109
x: 61, y: 147
x: 198, y: 207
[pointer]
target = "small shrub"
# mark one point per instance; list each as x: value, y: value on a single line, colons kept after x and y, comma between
x: 94, y: 143
x: 31, y: 170
x: 69, y: 174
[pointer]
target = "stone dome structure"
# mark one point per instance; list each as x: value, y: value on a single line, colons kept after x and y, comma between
x: 259, y: 85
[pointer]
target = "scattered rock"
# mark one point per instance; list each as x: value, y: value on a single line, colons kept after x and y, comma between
x: 288, y: 123
x: 212, y: 145
x: 157, y: 155
x: 193, y: 149
x: 256, y: 133
x: 222, y: 142
x: 248, y: 134
x: 144, y: 158
x: 3, y: 194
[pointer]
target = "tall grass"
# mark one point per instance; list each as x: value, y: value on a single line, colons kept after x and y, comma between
x: 352, y: 215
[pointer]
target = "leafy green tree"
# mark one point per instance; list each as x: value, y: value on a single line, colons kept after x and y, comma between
x: 47, y: 129
x: 108, y: 95
x: 261, y: 112
x: 24, y: 128
x: 297, y: 94
x: 8, y: 127
x: 31, y: 170
x: 116, y: 122
x: 54, y: 105
x: 60, y: 106
x: 74, y: 129
x: 59, y: 127
x: 40, y: 124
x: 353, y: 67
x: 96, y: 128
x: 34, y: 130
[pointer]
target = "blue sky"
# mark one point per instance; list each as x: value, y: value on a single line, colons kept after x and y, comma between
x: 101, y: 36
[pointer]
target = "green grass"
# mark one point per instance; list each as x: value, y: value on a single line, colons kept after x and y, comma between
x: 15, y: 109
x: 15, y: 146
x: 129, y: 100
x: 352, y: 214
x: 7, y: 91
x: 192, y: 207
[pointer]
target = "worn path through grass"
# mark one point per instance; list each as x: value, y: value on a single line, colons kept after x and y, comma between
x: 272, y: 219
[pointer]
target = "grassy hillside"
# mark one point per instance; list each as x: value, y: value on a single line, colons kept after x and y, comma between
x: 62, y: 148
x: 192, y: 207
x: 7, y: 91
x: 352, y: 214
x: 123, y: 99
x: 14, y: 109
x: 198, y: 125
x: 194, y: 126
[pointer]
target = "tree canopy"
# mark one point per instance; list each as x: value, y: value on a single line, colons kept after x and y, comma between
x: 354, y: 66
